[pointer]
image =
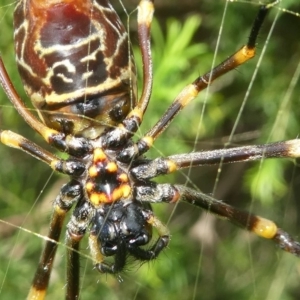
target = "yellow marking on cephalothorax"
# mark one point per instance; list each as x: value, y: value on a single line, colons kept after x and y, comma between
x: 111, y: 167
x: 89, y: 187
x: 99, y: 155
x: 126, y: 190
x: 123, y: 177
x: 93, y: 172
x: 99, y: 198
x: 121, y: 192
x: 117, y: 194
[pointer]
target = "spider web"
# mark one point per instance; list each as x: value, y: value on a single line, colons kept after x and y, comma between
x: 207, y: 258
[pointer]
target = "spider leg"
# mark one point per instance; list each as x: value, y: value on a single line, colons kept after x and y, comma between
x: 73, y: 269
x: 191, y: 91
x: 170, y: 164
x: 98, y: 258
x: 76, y: 228
x: 70, y: 167
x: 133, y: 120
x: 17, y: 141
x: 161, y: 243
x: 156, y: 193
x: 69, y: 194
x: 145, y: 16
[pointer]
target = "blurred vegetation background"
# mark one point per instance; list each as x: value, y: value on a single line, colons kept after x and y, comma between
x: 207, y: 258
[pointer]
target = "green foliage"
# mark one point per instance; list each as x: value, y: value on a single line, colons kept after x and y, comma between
x: 211, y: 261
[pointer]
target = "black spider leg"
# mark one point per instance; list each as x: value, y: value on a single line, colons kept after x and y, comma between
x: 69, y: 194
x: 76, y: 229
x: 83, y: 218
x: 262, y: 227
x: 157, y: 193
x: 160, y: 244
x: 169, y: 193
x: 71, y: 167
x: 120, y: 256
x: 133, y: 120
x: 162, y: 166
x: 191, y: 91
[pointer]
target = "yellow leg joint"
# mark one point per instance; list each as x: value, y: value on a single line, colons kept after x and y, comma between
x: 265, y: 228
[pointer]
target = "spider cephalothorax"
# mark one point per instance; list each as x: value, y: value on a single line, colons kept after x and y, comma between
x: 120, y: 219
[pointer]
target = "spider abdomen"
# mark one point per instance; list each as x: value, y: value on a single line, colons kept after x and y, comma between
x: 75, y: 64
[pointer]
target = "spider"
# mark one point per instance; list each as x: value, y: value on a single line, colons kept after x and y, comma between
x: 74, y: 63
